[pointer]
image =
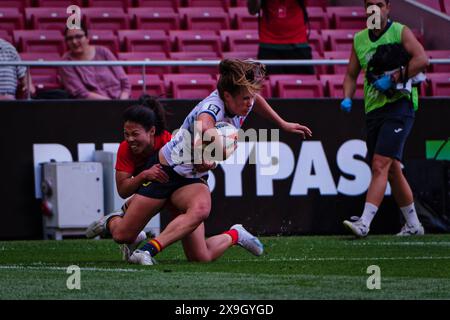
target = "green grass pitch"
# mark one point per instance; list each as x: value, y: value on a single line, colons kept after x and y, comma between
x: 332, y: 267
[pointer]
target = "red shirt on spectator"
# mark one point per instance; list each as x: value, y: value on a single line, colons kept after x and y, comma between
x: 129, y: 162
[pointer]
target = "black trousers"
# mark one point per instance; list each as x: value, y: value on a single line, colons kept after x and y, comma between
x: 293, y: 53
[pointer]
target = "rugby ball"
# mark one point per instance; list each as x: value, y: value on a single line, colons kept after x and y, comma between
x: 228, y: 138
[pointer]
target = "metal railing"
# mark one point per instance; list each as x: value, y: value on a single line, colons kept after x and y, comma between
x: 169, y: 63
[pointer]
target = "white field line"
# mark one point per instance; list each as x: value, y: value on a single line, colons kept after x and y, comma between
x: 394, y: 243
x: 48, y: 268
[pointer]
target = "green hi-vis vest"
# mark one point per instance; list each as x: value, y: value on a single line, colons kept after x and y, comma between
x: 365, y: 49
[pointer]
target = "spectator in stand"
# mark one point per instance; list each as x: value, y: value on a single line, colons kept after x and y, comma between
x: 283, y: 33
x: 91, y: 82
x: 13, y: 79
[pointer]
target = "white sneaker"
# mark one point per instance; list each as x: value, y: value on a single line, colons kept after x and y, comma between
x: 248, y: 241
x: 408, y: 230
x: 127, y: 249
x: 356, y: 226
x: 98, y: 228
x: 141, y: 257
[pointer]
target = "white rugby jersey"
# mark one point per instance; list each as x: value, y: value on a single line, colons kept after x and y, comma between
x: 181, y: 143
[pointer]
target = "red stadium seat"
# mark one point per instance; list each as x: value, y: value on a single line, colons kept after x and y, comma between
x: 318, y: 18
x: 239, y: 3
x: 347, y: 17
x: 241, y: 19
x: 295, y: 89
x: 316, y: 41
x: 198, y: 40
x: 318, y: 3
x: 318, y: 69
x: 47, y: 18
x: 240, y: 40
x: 41, y: 56
x: 18, y: 4
x: 439, y: 54
x: 335, y: 85
x: 275, y: 78
x: 144, y: 56
x: 145, y: 40
x: 239, y: 55
x: 153, y: 85
x: 11, y: 19
x: 57, y: 3
x: 339, y: 40
x: 212, y: 18
x: 159, y: 18
x: 432, y: 4
x: 208, y: 3
x: 192, y: 90
x: 46, y: 82
x: 5, y: 36
x: 39, y: 41
x: 104, y: 38
x: 440, y: 84
x: 447, y: 6
x: 106, y: 18
x: 110, y: 3
x: 199, y: 56
x: 337, y: 55
x: 189, y: 82
x: 159, y: 3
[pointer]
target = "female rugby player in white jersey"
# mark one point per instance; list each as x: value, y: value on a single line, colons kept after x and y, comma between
x: 236, y: 95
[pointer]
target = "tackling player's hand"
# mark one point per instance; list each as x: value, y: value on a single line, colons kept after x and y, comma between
x: 293, y: 127
x: 155, y: 173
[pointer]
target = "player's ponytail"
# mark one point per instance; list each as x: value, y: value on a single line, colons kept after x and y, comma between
x: 148, y: 113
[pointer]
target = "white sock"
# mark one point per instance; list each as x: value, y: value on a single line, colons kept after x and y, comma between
x: 410, y: 214
x: 369, y: 213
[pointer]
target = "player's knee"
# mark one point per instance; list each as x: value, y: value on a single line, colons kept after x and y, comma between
x: 380, y: 168
x: 200, y: 211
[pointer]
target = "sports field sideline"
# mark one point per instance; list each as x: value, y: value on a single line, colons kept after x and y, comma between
x: 332, y: 267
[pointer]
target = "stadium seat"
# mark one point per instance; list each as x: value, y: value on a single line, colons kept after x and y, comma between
x: 104, y: 38
x: 159, y: 18
x: 347, y: 17
x: 337, y: 55
x: 106, y: 18
x: 5, y: 36
x: 297, y: 89
x: 318, y: 3
x: 175, y: 4
x: 239, y: 55
x: 275, y: 78
x: 439, y: 54
x: 42, y: 56
x: 153, y: 85
x: 211, y: 18
x: 46, y: 82
x: 239, y: 3
x: 39, y: 41
x: 198, y: 40
x: 240, y: 40
x: 57, y: 3
x: 192, y: 89
x: 339, y: 40
x: 18, y: 4
x: 318, y: 18
x: 47, y: 18
x: 447, y: 6
x: 144, y: 56
x: 199, y: 56
x: 240, y: 19
x: 334, y: 85
x: 439, y: 84
x: 145, y: 40
x: 208, y: 3
x: 316, y: 41
x: 110, y: 3
x: 318, y: 69
x: 11, y: 19
x: 434, y: 4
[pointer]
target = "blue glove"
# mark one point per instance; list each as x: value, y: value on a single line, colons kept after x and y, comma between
x: 384, y: 83
x: 346, y: 105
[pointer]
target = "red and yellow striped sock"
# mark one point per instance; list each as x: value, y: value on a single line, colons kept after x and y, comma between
x: 153, y: 247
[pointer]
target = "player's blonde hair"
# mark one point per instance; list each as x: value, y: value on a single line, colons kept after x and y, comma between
x: 237, y: 75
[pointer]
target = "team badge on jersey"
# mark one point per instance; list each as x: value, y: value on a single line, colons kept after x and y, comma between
x: 214, y: 109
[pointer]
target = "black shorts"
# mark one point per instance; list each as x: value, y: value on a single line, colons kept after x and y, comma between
x: 158, y: 190
x: 388, y: 128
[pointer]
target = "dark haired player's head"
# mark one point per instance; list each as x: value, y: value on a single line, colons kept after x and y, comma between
x: 148, y: 112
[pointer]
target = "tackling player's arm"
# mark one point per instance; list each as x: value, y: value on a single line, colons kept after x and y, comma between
x: 207, y: 122
x: 353, y: 70
x: 127, y: 185
x: 262, y: 108
x: 419, y: 59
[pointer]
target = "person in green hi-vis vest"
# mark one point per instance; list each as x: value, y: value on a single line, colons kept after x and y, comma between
x: 389, y: 118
